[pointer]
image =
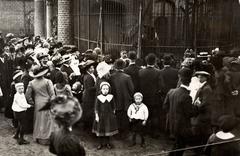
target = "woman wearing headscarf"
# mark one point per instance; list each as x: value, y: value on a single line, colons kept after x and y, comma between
x: 38, y: 93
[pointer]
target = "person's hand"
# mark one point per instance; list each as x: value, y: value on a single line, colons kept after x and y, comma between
x: 144, y: 122
x: 72, y: 75
x: 97, y: 118
x: 235, y: 92
x: 197, y: 103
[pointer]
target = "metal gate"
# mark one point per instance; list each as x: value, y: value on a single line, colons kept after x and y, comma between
x: 159, y: 26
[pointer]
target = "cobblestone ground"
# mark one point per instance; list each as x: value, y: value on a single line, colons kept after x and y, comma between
x: 9, y: 146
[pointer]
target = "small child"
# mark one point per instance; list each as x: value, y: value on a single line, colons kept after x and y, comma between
x: 138, y: 115
x: 224, y: 141
x: 19, y: 107
x: 105, y: 124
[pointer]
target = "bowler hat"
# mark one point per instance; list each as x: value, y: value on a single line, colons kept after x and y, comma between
x: 227, y: 122
x: 185, y: 73
x: 119, y: 64
x: 132, y: 55
x: 151, y: 59
x: 167, y: 60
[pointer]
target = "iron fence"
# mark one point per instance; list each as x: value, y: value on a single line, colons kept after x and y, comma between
x: 159, y: 26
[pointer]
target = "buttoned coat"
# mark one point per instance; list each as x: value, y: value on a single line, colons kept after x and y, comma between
x: 122, y: 89
x: 178, y: 104
x: 133, y: 71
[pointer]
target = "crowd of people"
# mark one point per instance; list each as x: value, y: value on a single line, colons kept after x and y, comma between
x: 194, y: 104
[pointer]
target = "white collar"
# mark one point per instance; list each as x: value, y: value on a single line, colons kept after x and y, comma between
x: 103, y: 98
x: 202, y: 84
x: 152, y: 66
x: 224, y: 136
x: 132, y: 63
x: 184, y: 86
x: 166, y: 66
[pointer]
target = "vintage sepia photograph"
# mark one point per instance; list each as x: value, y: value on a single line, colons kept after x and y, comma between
x: 119, y: 77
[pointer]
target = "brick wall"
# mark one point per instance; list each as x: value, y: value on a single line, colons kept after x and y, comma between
x: 12, y: 16
x: 65, y: 21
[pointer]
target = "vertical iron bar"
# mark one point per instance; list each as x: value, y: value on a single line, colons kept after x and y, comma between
x: 88, y: 24
x: 140, y: 31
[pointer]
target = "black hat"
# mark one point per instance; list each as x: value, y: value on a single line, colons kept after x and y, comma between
x: 151, y: 59
x: 132, y: 55
x: 227, y: 122
x: 119, y: 64
x: 167, y: 60
x: 185, y: 73
x: 204, y: 68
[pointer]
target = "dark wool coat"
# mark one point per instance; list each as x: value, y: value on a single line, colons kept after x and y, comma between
x: 178, y: 104
x: 133, y: 70
x: 170, y: 78
x: 89, y: 94
x: 233, y: 100
x: 151, y: 86
x: 226, y: 149
x: 107, y: 125
x: 204, y: 117
x: 202, y: 122
x: 122, y: 89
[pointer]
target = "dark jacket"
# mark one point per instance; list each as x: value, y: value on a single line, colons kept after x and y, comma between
x: 122, y: 89
x: 133, y: 71
x: 178, y: 104
x: 150, y: 85
x: 204, y: 116
x: 89, y: 92
x: 170, y: 78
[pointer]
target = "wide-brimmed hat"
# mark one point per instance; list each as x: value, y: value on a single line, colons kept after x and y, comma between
x: 204, y: 68
x: 17, y: 75
x: 202, y: 73
x: 66, y: 58
x: 88, y: 63
x: 38, y: 71
x: 41, y: 53
x: 57, y: 60
x: 102, y: 69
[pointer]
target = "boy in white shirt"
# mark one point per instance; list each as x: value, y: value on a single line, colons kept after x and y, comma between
x: 138, y: 115
x: 19, y: 108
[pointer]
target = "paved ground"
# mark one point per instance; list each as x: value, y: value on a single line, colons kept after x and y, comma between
x: 9, y: 147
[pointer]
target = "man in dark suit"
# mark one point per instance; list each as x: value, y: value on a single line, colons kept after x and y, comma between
x: 170, y: 80
x: 169, y: 75
x: 151, y: 86
x: 202, y: 123
x: 133, y: 70
x: 123, y: 90
x: 178, y: 104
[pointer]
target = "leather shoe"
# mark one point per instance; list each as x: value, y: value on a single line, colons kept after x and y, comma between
x: 109, y: 146
x: 99, y: 147
x: 23, y: 142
